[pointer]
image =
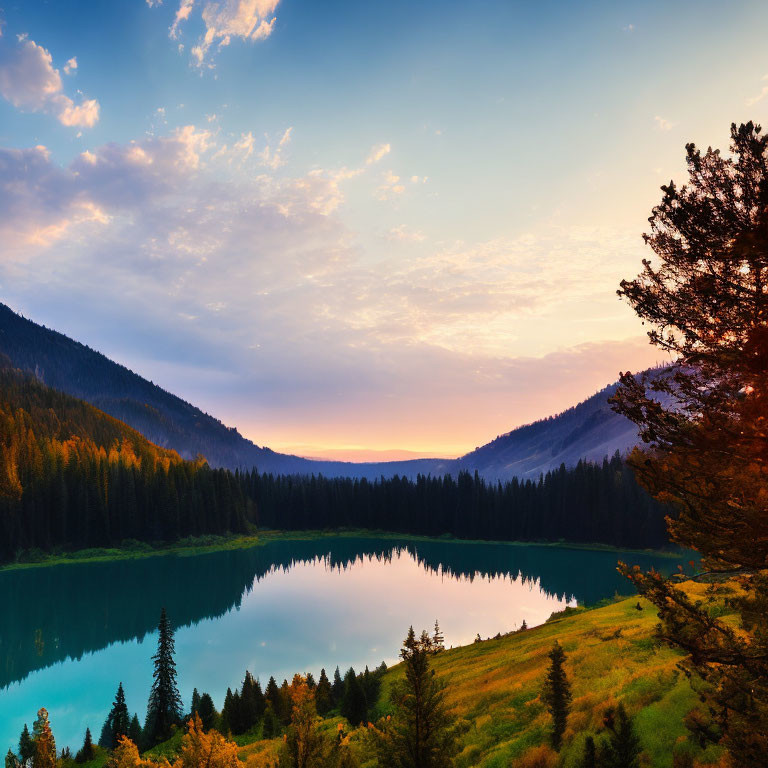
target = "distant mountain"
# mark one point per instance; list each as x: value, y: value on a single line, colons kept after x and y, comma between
x: 589, y: 430
x: 163, y: 418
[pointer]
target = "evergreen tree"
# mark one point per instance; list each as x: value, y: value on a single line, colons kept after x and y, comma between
x: 702, y: 422
x: 557, y: 694
x: 272, y: 696
x: 311, y: 684
x: 623, y: 749
x: 422, y: 733
x: 195, y: 702
x: 248, y: 702
x: 86, y: 751
x: 438, y: 640
x: 353, y: 704
x: 323, y: 694
x: 26, y: 746
x: 11, y: 761
x: 271, y: 725
x: 258, y: 698
x: 337, y: 688
x: 589, y: 758
x: 164, y: 706
x: 45, y: 745
x: 135, y: 733
x: 207, y: 711
x: 117, y: 722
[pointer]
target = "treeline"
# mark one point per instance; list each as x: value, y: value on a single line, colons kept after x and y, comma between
x: 589, y: 503
x: 72, y: 477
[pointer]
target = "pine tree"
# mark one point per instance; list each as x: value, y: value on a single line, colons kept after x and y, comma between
x: 272, y: 696
x: 207, y: 711
x: 589, y: 758
x: 623, y: 750
x: 164, y: 706
x: 422, y: 733
x: 117, y: 722
x: 557, y: 694
x: 26, y: 746
x: 337, y: 688
x: 248, y: 703
x: 311, y: 684
x: 323, y: 694
x: 135, y: 733
x: 45, y: 745
x: 86, y: 751
x: 271, y: 725
x: 702, y: 422
x: 195, y: 702
x: 11, y: 761
x: 438, y: 641
x: 353, y: 704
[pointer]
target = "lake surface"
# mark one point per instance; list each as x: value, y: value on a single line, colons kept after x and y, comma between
x: 69, y: 634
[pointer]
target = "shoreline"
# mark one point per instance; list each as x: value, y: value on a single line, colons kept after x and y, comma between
x: 214, y: 543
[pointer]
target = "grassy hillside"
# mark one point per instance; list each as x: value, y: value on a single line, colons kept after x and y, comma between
x: 495, y: 685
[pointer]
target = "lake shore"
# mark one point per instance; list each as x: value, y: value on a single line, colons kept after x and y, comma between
x: 206, y: 544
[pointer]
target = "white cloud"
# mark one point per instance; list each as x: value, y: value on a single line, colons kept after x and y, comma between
x: 225, y: 20
x: 377, y: 153
x: 760, y: 96
x: 70, y: 66
x: 663, y: 124
x: 29, y: 81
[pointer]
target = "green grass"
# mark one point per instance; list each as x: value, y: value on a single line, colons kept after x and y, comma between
x: 495, y: 685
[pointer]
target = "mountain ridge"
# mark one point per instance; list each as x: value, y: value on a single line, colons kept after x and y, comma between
x: 589, y: 430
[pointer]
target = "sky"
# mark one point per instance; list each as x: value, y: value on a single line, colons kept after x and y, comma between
x: 357, y: 229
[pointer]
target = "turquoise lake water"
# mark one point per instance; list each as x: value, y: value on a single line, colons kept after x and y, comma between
x: 69, y: 634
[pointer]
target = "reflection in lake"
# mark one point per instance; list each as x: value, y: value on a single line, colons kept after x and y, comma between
x: 70, y: 633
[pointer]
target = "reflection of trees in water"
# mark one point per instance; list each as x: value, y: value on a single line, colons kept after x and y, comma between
x: 54, y: 613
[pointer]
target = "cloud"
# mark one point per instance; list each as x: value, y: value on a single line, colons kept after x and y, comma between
x: 242, y: 289
x: 390, y: 187
x: 30, y: 82
x: 377, y: 153
x: 760, y: 96
x: 273, y: 158
x: 663, y: 124
x: 70, y: 66
x: 225, y: 20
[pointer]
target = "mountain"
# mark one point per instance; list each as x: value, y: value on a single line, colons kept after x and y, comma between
x: 589, y: 430
x: 163, y: 418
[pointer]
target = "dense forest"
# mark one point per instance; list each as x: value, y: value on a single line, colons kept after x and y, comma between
x: 73, y: 477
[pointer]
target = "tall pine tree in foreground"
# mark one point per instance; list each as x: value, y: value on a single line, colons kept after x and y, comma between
x: 164, y: 706
x: 703, y: 422
x: 422, y: 733
x: 557, y: 694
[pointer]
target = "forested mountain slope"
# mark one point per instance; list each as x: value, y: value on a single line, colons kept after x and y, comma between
x: 160, y: 416
x: 590, y: 430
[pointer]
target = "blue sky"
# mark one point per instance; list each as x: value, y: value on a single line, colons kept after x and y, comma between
x: 356, y: 226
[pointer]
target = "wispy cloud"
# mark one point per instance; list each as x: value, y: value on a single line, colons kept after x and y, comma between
x: 752, y: 100
x: 663, y: 124
x: 247, y: 20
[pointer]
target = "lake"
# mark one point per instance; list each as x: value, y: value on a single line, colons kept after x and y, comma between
x: 70, y: 633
